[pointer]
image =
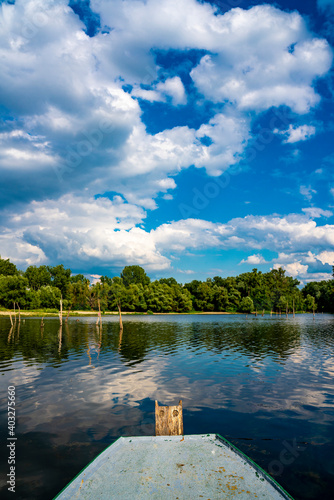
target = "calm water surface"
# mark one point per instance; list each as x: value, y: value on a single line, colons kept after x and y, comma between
x: 266, y: 384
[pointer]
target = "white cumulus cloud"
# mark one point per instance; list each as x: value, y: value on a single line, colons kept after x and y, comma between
x: 255, y: 64
x: 307, y: 192
x: 74, y: 126
x: 254, y: 259
x: 73, y: 122
x: 326, y: 257
x: 85, y: 232
x: 294, y: 269
x: 296, y: 134
x: 316, y: 213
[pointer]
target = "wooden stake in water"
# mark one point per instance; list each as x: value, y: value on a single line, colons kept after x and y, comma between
x: 120, y: 339
x: 10, y: 334
x: 97, y: 319
x: 61, y: 312
x: 120, y: 315
x: 293, y: 307
x: 60, y: 336
x: 100, y: 317
x: 168, y: 420
x: 11, y: 320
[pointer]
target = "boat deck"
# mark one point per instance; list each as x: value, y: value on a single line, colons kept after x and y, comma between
x: 173, y: 467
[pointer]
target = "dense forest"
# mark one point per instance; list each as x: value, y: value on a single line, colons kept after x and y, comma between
x: 43, y: 287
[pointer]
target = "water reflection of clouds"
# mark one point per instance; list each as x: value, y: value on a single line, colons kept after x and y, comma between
x: 102, y: 393
x: 88, y: 393
x: 20, y: 374
x: 98, y: 393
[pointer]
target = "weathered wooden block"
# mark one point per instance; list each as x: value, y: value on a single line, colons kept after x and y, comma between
x: 168, y: 420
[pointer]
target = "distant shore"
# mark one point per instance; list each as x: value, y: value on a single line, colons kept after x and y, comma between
x: 107, y: 313
x: 45, y: 314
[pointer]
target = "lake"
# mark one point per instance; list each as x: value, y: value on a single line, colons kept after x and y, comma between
x: 265, y: 383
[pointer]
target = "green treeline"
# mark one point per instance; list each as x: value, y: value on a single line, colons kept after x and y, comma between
x: 44, y: 286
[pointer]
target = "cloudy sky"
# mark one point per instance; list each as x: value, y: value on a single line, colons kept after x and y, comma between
x: 194, y: 138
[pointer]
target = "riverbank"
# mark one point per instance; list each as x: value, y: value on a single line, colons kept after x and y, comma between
x: 54, y: 314
x: 44, y: 314
x: 40, y: 313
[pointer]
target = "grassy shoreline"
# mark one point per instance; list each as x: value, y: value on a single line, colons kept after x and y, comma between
x: 53, y: 314
x: 41, y: 313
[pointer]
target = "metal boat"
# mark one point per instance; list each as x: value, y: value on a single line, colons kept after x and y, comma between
x: 172, y: 467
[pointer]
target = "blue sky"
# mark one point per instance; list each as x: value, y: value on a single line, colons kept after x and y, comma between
x: 192, y: 138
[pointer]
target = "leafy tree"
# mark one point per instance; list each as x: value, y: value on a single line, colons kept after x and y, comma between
x: 49, y: 297
x: 181, y: 298
x: 310, y: 303
x: 234, y: 297
x: 168, y: 281
x: 323, y: 293
x: 246, y: 305
x: 60, y: 277
x: 134, y: 275
x: 105, y: 280
x: 193, y: 287
x: 42, y: 287
x: 158, y: 297
x: 204, y: 299
x: 34, y: 299
x: 78, y: 292
x: 7, y: 268
x: 220, y: 298
x: 14, y: 289
x: 135, y: 299
x: 37, y: 277
x: 79, y: 278
x: 282, y: 303
x: 116, y: 294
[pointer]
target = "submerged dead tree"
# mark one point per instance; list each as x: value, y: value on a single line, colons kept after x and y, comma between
x: 120, y: 315
x: 61, y: 312
x: 19, y: 311
x: 99, y: 317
